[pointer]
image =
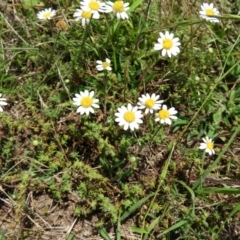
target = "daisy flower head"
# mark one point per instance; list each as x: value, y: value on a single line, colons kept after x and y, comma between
x: 149, y: 103
x: 104, y: 65
x: 168, y: 44
x: 84, y: 14
x: 95, y: 6
x: 46, y: 14
x: 2, y: 102
x: 129, y: 117
x: 208, y: 11
x: 207, y: 145
x: 118, y: 7
x: 166, y: 115
x: 86, y: 102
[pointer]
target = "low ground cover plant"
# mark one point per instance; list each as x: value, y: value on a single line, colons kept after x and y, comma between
x: 124, y: 114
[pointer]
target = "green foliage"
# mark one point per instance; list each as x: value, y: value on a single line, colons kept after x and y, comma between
x: 2, y: 235
x: 30, y: 3
x: 154, y: 175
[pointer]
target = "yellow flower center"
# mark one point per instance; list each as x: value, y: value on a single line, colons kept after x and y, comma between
x: 163, y: 114
x: 86, y: 102
x: 47, y: 15
x: 105, y: 65
x: 129, y: 116
x: 167, y: 43
x: 210, y: 145
x: 86, y: 14
x: 94, y: 5
x: 150, y: 103
x: 118, y: 7
x: 210, y: 12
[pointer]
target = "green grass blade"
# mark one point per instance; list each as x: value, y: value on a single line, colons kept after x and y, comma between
x: 118, y: 234
x: 219, y: 190
x: 102, y: 231
x: 175, y: 226
x: 156, y: 221
x: 70, y: 236
x: 135, y: 5
x: 192, y: 197
x: 135, y: 206
x: 139, y: 230
x: 234, y: 211
x: 151, y: 227
x: 189, y: 190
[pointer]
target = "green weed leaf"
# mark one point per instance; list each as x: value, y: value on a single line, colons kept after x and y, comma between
x: 139, y: 230
x: 30, y: 3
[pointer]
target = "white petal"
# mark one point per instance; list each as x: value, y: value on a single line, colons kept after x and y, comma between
x: 164, y: 107
x: 96, y: 15
x: 126, y: 125
x: 3, y: 103
x: 99, y: 68
x: 94, y: 105
x: 157, y: 46
x: 91, y: 94
x: 118, y: 16
x: 172, y: 110
x: 162, y: 121
x: 80, y: 109
x: 164, y: 51
x: 168, y: 121
x: 169, y: 53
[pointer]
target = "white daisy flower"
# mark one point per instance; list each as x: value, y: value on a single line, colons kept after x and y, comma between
x: 165, y: 115
x: 207, y: 145
x: 168, y: 44
x: 208, y: 11
x: 46, y: 14
x: 150, y: 103
x: 96, y: 6
x: 129, y: 117
x: 104, y: 65
x: 86, y: 102
x: 118, y: 7
x: 2, y: 102
x: 85, y: 15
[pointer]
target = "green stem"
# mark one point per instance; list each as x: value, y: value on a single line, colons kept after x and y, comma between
x: 83, y: 41
x: 105, y: 98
